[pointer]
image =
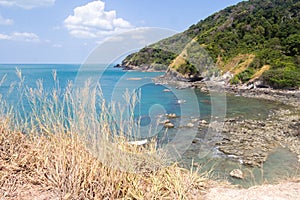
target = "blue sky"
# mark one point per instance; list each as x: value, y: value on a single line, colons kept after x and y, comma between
x: 66, y: 31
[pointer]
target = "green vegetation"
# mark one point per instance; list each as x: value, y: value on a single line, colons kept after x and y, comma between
x: 246, y: 75
x: 149, y: 56
x: 235, y: 80
x: 283, y: 77
x: 268, y: 29
x: 187, y: 69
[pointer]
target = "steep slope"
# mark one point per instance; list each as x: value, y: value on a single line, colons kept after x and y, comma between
x: 240, y: 39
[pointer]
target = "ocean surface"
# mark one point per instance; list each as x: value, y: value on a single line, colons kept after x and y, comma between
x: 155, y: 101
x: 114, y: 82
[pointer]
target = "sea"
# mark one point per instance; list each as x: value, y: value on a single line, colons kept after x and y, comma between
x: 155, y: 101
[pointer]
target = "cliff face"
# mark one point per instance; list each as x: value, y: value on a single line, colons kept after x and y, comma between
x: 253, y: 40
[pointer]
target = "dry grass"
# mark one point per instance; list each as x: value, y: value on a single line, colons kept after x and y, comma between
x: 238, y: 64
x: 260, y: 72
x: 181, y: 59
x: 62, y: 167
x: 65, y: 149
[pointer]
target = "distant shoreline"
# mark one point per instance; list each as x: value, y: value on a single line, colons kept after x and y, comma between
x: 285, y: 96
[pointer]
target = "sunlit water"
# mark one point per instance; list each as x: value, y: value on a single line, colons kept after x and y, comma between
x: 156, y: 101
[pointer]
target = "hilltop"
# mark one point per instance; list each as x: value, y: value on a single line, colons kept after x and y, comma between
x: 253, y: 41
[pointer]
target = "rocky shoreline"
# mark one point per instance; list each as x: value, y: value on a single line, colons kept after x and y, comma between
x: 250, y: 141
x: 252, y: 90
x: 287, y: 97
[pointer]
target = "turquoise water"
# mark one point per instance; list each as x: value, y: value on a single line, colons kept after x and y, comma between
x: 155, y: 102
x: 115, y: 81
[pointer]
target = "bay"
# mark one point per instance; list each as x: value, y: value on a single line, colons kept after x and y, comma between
x: 155, y: 101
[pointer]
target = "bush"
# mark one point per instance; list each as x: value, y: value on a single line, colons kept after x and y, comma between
x: 187, y: 69
x: 235, y: 80
x: 246, y: 75
x: 283, y: 78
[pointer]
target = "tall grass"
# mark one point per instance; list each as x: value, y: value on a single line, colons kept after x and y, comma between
x: 67, y: 144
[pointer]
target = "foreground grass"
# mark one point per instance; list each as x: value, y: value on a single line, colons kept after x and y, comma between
x: 62, y: 167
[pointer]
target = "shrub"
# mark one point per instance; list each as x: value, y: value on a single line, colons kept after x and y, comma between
x: 235, y: 80
x: 246, y: 75
x: 282, y: 77
x: 187, y: 69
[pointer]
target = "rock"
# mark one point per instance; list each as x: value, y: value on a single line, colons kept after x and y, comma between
x: 169, y: 125
x: 165, y: 121
x: 196, y: 165
x: 118, y: 66
x: 196, y: 141
x: 237, y: 173
x: 204, y: 122
x: 252, y: 140
x: 194, y: 120
x: 190, y: 125
x: 171, y: 115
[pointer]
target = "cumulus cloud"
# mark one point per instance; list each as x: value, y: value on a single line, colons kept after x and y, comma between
x: 4, y: 21
x: 20, y: 36
x: 27, y: 4
x: 92, y: 21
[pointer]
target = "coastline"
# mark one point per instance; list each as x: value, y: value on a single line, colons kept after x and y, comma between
x: 221, y: 84
x: 279, y: 129
x: 287, y: 97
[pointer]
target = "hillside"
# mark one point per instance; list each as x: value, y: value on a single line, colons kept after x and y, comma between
x: 253, y: 40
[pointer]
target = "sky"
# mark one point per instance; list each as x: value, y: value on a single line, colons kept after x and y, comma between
x: 67, y: 31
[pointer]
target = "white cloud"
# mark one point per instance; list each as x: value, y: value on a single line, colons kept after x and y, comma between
x: 92, y: 21
x: 4, y: 37
x: 27, y: 4
x: 4, y: 21
x: 18, y: 36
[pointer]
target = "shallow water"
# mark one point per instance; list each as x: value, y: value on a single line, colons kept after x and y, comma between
x: 281, y: 164
x: 156, y: 101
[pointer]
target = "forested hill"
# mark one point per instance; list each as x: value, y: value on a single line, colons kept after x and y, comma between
x: 253, y: 40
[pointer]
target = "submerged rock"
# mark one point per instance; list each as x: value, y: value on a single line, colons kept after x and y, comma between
x: 169, y: 125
